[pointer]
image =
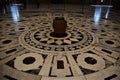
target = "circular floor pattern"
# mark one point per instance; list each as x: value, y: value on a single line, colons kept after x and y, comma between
x: 97, y: 63
x: 39, y: 39
x: 28, y: 61
x: 110, y: 42
x: 7, y: 41
x: 40, y: 56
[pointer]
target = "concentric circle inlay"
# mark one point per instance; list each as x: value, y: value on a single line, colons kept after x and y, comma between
x: 39, y: 39
x: 85, y: 52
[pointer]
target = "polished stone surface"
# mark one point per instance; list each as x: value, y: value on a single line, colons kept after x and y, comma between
x: 90, y: 51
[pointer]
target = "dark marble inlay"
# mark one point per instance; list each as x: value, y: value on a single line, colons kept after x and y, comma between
x: 90, y: 60
x: 91, y: 52
x: 10, y: 63
x: 103, y: 30
x: 103, y: 34
x: 29, y: 60
x: 9, y: 77
x: 107, y: 25
x: 21, y: 28
x: 60, y: 64
x: 109, y: 42
x: 35, y: 71
x: 44, y: 56
x: 10, y: 51
x: 94, y: 29
x: 8, y: 24
x: 82, y: 25
x: 75, y: 57
x: 107, y: 51
x: 116, y: 28
x: 86, y: 71
x: 12, y: 33
x: 111, y: 77
x: 45, y: 23
x: 7, y: 41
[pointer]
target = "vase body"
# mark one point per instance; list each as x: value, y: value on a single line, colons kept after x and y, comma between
x: 59, y: 26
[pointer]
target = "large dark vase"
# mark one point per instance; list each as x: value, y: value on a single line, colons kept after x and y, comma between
x: 59, y: 26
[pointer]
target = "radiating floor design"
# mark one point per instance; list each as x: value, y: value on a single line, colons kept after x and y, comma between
x: 89, y: 51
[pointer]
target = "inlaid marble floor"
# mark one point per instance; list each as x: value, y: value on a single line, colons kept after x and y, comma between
x: 89, y: 51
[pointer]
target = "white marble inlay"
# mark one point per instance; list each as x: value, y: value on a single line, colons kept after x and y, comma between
x: 100, y: 63
x: 24, y: 67
x: 60, y: 72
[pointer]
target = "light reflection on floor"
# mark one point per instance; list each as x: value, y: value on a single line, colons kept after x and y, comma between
x: 15, y: 12
x: 97, y: 15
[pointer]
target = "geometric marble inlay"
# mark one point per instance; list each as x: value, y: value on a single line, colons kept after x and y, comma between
x: 40, y: 40
x: 28, y: 61
x: 29, y: 51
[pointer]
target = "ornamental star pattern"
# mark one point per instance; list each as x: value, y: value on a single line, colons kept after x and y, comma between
x: 44, y: 37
